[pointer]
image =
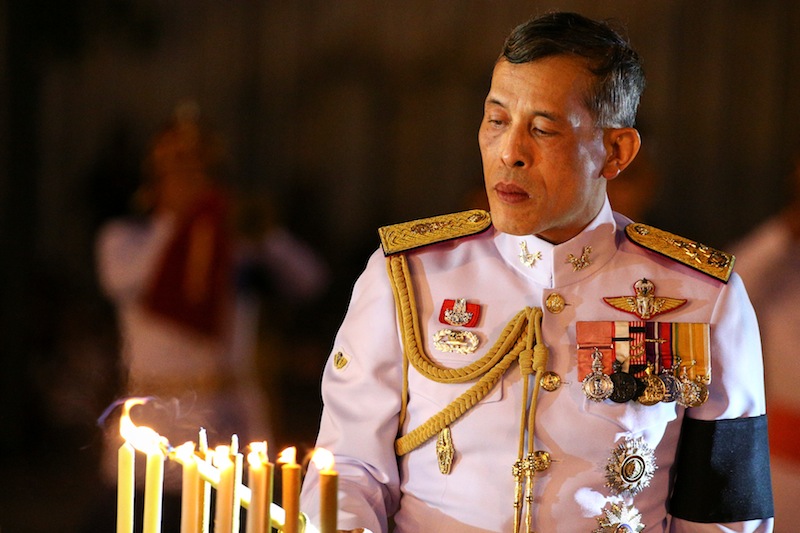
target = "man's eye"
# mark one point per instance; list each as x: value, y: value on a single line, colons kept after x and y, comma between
x: 541, y: 133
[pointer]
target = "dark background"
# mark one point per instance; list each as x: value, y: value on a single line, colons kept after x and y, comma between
x: 346, y: 115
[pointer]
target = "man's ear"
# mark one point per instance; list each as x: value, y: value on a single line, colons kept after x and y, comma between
x: 622, y: 145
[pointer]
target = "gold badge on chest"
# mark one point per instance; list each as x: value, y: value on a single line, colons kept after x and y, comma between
x: 448, y: 340
x: 644, y: 303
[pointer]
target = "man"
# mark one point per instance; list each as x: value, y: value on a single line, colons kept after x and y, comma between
x: 540, y: 371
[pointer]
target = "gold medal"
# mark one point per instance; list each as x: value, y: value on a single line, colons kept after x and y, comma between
x: 653, y: 390
x: 693, y: 393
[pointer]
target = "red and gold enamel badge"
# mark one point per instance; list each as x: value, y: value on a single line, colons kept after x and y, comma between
x: 460, y: 313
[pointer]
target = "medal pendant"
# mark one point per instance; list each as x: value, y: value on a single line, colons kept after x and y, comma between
x: 693, y: 393
x: 672, y: 387
x: 597, y: 386
x: 625, y: 385
x: 654, y: 389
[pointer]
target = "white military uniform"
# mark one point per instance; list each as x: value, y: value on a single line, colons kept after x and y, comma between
x: 362, y: 388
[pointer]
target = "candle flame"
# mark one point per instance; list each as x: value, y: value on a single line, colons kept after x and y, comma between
x: 258, y: 453
x: 142, y: 438
x: 185, y: 451
x: 322, y: 459
x: 222, y: 456
x: 288, y: 456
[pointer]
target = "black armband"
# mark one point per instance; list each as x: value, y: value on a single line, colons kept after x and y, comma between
x: 722, y: 471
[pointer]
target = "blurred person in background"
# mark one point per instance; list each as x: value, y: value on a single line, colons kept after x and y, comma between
x: 169, y: 271
x: 768, y: 260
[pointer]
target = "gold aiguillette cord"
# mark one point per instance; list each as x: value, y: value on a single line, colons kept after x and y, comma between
x: 532, y: 363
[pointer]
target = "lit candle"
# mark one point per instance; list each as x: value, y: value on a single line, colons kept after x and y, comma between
x: 290, y: 478
x: 328, y: 490
x: 259, y: 478
x: 190, y: 493
x: 223, y: 517
x: 205, y: 501
x: 126, y: 461
x: 147, y: 440
x: 153, y: 491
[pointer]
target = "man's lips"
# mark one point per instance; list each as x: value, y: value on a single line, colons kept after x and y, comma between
x: 510, y: 193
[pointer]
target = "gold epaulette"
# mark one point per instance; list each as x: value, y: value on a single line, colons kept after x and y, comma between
x: 417, y: 233
x: 715, y: 263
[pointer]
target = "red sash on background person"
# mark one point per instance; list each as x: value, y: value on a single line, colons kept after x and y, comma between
x: 192, y: 284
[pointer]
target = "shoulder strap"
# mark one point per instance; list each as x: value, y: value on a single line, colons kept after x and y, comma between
x: 423, y: 232
x: 707, y: 260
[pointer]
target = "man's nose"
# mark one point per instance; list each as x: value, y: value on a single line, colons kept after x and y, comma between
x: 516, y: 151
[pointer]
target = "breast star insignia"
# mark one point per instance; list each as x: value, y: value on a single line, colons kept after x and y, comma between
x: 644, y: 303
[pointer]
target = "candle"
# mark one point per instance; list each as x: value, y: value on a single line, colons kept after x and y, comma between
x: 290, y: 478
x: 191, y: 489
x: 205, y: 496
x: 126, y: 461
x: 153, y: 491
x: 146, y: 439
x: 328, y: 490
x: 223, y: 517
x: 237, y: 483
x: 259, y: 478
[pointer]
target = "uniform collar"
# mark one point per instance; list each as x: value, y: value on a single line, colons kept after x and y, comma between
x: 557, y: 265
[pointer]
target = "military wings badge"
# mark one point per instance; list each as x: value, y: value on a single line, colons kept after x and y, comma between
x: 644, y: 303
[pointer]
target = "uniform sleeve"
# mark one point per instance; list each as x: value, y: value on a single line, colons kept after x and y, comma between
x: 361, y: 391
x: 722, y: 479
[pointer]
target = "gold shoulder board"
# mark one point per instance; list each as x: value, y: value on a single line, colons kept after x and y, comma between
x: 708, y: 260
x: 417, y: 233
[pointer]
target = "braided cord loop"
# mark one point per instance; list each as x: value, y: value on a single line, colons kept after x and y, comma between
x: 514, y: 343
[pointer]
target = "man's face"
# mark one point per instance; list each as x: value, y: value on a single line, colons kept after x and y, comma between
x: 542, y: 154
